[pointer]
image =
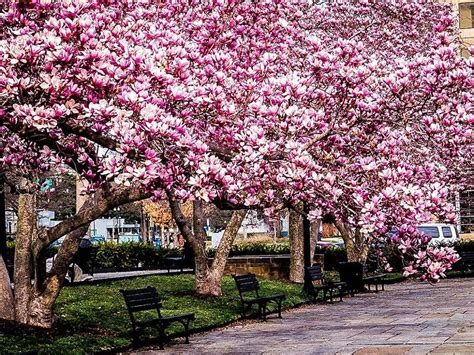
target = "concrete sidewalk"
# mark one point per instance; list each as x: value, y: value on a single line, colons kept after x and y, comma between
x: 127, y: 274
x: 409, y: 317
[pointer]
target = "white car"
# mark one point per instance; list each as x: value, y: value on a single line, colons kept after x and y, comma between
x: 445, y: 233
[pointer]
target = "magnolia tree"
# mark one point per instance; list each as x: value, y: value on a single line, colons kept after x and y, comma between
x: 238, y: 103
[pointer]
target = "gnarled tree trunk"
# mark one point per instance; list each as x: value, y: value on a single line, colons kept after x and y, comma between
x: 223, y: 250
x: 36, y: 291
x: 7, y: 304
x: 356, y: 247
x: 208, y: 278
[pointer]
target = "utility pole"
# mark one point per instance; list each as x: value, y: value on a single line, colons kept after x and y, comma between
x: 3, y: 229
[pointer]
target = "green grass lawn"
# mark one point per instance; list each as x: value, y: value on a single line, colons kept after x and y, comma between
x: 92, y: 318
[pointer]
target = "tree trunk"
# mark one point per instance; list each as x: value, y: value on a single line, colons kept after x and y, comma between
x: 277, y: 225
x: 36, y: 292
x: 208, y: 279
x: 356, y: 248
x: 296, y: 247
x: 26, y: 231
x: 6, y: 295
x: 201, y: 272
x: 315, y: 226
x: 144, y: 225
x: 223, y: 250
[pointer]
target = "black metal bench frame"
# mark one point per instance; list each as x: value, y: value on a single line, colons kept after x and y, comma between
x: 145, y: 299
x: 248, y: 283
x: 373, y: 279
x: 315, y: 273
x: 467, y: 260
x: 174, y: 262
x: 354, y: 274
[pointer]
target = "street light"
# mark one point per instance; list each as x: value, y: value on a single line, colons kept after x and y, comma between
x: 117, y: 210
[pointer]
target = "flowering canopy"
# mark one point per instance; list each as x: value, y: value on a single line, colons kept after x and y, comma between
x: 359, y: 110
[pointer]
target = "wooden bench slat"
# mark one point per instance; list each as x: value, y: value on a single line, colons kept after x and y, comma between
x: 142, y: 300
x: 142, y: 307
x: 248, y: 287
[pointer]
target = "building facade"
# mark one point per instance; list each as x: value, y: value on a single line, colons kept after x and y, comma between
x: 465, y: 9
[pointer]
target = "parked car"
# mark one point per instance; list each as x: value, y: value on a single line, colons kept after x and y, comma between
x: 57, y: 243
x: 440, y: 233
x: 445, y: 233
x: 127, y: 238
x: 97, y: 239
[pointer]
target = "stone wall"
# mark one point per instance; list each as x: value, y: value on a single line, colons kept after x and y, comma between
x: 273, y: 267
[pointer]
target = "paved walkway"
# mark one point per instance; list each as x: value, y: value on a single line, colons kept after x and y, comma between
x: 127, y: 274
x: 409, y: 317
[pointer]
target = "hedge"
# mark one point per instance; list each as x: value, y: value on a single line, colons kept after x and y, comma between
x: 123, y: 256
x: 132, y: 255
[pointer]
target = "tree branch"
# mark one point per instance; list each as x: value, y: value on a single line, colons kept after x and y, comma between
x: 102, y: 201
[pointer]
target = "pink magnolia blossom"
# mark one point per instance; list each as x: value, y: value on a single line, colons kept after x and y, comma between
x: 359, y: 110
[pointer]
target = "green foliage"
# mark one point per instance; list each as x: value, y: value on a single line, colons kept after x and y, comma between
x: 131, y: 255
x: 92, y: 318
x: 256, y: 248
x: 260, y: 248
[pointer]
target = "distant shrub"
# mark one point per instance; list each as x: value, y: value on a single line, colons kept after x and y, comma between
x: 333, y: 255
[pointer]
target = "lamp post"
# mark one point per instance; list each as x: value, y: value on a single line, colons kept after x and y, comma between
x: 117, y: 215
x: 306, y: 245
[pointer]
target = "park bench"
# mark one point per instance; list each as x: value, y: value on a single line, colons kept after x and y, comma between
x: 315, y: 274
x: 467, y: 260
x: 248, y: 284
x: 373, y: 278
x: 356, y: 276
x: 146, y: 299
x: 174, y: 262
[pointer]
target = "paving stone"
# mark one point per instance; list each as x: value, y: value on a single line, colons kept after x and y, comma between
x: 408, y: 318
x: 454, y: 349
x: 375, y: 350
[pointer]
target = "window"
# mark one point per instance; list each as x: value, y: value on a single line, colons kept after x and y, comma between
x: 429, y: 231
x: 447, y: 232
x: 466, y: 15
